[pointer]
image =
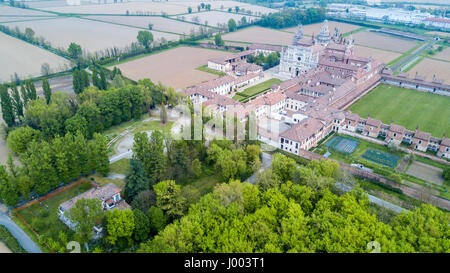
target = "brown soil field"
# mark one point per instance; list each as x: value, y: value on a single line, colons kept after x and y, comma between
x: 446, y: 34
x: 260, y: 35
x: 426, y: 172
x: 381, y: 55
x: 159, y: 23
x: 7, y: 10
x: 155, y: 8
x: 175, y: 67
x: 383, y: 41
x: 444, y: 54
x: 428, y: 67
x: 213, y: 18
x: 90, y: 35
x: 4, y: 249
x: 315, y: 28
x: 26, y: 60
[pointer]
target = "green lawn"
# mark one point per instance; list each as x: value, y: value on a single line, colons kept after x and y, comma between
x: 205, y: 68
x: 43, y: 218
x: 120, y: 166
x: 409, y: 108
x: 256, y: 89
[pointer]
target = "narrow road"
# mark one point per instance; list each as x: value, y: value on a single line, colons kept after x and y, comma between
x: 266, y: 163
x: 24, y: 240
x: 413, y: 55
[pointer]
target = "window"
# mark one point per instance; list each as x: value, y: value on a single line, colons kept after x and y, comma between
x: 420, y: 141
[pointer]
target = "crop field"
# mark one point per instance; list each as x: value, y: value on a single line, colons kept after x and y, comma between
x: 409, y: 108
x: 428, y: 68
x: 7, y: 10
x: 259, y: 35
x: 383, y: 41
x: 6, y: 19
x: 159, y: 23
x: 213, y: 18
x: 46, y: 4
x: 175, y: 67
x: 444, y: 54
x: 381, y: 55
x: 445, y: 34
x: 90, y: 35
x: 151, y: 8
x: 315, y: 28
x: 26, y: 60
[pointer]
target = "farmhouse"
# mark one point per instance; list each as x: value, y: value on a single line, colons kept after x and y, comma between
x: 264, y: 49
x: 109, y: 195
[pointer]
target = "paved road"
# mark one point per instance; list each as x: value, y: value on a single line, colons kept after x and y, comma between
x: 375, y: 200
x: 19, y: 234
x: 266, y: 163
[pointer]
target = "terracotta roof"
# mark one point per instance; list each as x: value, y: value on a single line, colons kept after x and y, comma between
x: 301, y: 131
x: 440, y: 20
x: 373, y: 122
x: 422, y: 135
x: 352, y: 116
x: 445, y: 141
x: 265, y: 47
x: 397, y: 128
x: 246, y: 77
x: 216, y: 82
x: 245, y: 67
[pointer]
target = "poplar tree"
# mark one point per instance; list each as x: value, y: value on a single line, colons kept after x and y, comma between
x: 23, y: 93
x: 77, y: 88
x: 31, y: 90
x: 7, y: 107
x: 103, y: 82
x: 17, y: 102
x: 47, y: 90
x: 102, y: 153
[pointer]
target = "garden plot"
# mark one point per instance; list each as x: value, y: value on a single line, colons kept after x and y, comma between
x: 25, y: 59
x: 214, y: 18
x: 383, y: 41
x: 260, y: 35
x: 7, y: 10
x: 147, y: 8
x: 342, y: 144
x: 159, y: 23
x: 426, y: 172
x: 444, y: 54
x: 428, y: 68
x: 175, y: 67
x: 90, y: 35
x: 381, y: 55
x: 315, y: 28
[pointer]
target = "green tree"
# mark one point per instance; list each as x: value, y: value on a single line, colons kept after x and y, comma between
x: 19, y: 138
x: 189, y: 10
x: 17, y: 102
x: 103, y: 82
x: 157, y: 219
x: 145, y: 38
x: 231, y: 25
x: 218, y: 40
x: 120, y: 224
x: 168, y: 198
x: 7, y: 107
x: 76, y: 81
x: 8, y: 192
x: 102, y: 154
x: 142, y: 226
x: 84, y: 216
x: 47, y: 90
x: 74, y: 51
x: 136, y: 180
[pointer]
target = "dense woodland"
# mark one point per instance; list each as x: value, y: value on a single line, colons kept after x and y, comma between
x: 292, y: 17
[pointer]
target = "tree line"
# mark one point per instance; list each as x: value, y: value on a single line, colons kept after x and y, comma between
x: 292, y: 17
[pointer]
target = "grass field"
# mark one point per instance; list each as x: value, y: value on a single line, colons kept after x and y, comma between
x: 256, y: 89
x: 409, y: 108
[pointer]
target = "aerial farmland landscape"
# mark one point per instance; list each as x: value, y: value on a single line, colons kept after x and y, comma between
x: 182, y: 126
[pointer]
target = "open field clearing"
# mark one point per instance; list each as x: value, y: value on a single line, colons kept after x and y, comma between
x: 151, y: 8
x: 4, y: 248
x: 175, y: 67
x: 444, y: 54
x: 445, y: 34
x: 26, y: 60
x: 224, y: 5
x: 259, y: 35
x: 212, y: 18
x: 90, y: 35
x: 428, y: 68
x: 315, y: 28
x: 159, y: 23
x: 6, y: 19
x: 383, y: 41
x: 381, y: 55
x: 426, y: 172
x: 47, y: 4
x: 409, y: 108
x: 7, y: 10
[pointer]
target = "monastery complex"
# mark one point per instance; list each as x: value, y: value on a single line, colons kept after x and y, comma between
x: 323, y: 78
